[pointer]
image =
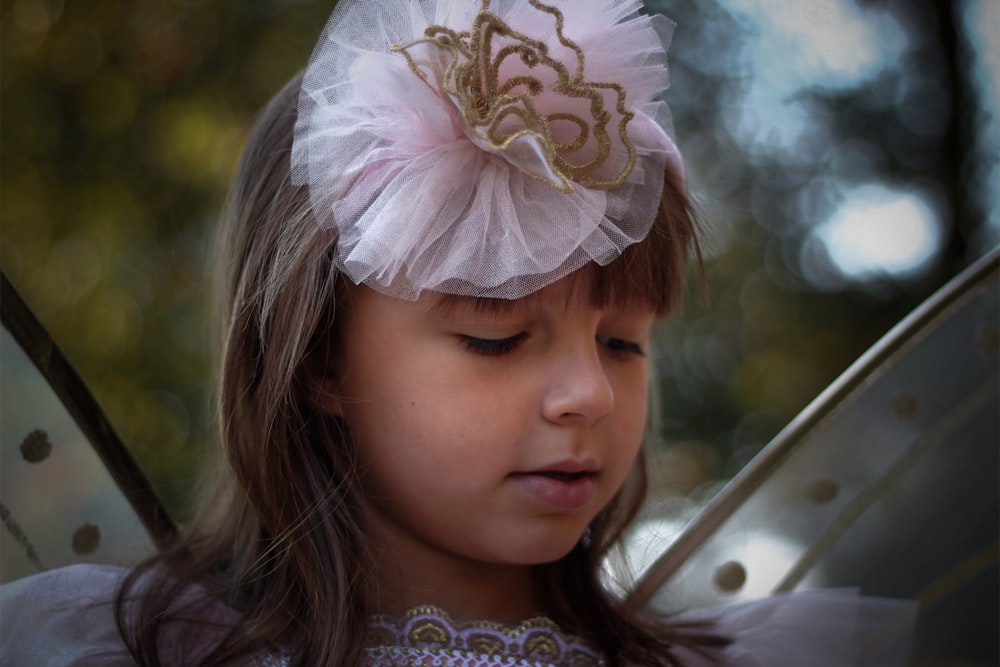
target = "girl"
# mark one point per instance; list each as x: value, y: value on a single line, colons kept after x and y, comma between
x: 441, y: 259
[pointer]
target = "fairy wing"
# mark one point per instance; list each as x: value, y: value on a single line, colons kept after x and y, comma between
x: 69, y: 489
x: 888, y: 482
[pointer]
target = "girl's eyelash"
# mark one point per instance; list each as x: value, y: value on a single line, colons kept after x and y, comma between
x: 492, y: 347
x: 621, y: 346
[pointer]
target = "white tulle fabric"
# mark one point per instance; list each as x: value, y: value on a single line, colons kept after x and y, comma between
x: 422, y: 200
x: 821, y: 628
x: 64, y: 618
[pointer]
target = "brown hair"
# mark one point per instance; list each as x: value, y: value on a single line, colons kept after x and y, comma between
x: 282, y: 539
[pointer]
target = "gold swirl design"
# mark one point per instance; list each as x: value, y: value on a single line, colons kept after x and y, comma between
x: 541, y: 645
x: 502, y: 112
x: 486, y: 644
x: 431, y: 632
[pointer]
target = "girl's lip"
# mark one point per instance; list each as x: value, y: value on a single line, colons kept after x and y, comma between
x: 558, y: 487
x: 568, y: 466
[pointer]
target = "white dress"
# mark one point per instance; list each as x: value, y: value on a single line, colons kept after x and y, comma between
x: 65, y: 618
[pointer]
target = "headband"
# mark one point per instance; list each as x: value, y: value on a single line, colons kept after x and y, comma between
x: 484, y: 149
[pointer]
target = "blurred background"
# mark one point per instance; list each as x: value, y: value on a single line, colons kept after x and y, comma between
x: 845, y: 154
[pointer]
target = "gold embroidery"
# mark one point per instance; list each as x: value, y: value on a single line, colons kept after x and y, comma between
x: 502, y: 112
x: 430, y: 632
x: 486, y: 644
x: 541, y: 645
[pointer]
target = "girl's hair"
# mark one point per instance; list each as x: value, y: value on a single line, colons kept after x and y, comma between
x: 282, y: 536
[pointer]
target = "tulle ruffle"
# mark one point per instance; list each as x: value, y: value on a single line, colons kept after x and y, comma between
x: 66, y: 618
x: 823, y: 628
x: 423, y: 196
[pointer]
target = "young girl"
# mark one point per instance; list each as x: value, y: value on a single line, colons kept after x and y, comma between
x: 441, y: 260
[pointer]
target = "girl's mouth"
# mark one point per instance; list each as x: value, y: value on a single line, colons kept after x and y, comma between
x: 563, y: 476
x: 562, y: 490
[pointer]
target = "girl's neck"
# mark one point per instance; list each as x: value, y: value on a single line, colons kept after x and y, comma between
x: 467, y: 590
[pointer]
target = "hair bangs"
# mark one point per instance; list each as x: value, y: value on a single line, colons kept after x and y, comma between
x: 651, y: 273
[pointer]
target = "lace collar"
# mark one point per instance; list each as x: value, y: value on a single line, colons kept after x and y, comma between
x: 429, y: 636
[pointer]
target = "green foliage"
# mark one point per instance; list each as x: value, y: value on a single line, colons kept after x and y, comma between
x: 122, y: 123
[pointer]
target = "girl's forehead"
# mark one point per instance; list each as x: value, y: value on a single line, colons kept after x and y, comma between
x: 580, y: 288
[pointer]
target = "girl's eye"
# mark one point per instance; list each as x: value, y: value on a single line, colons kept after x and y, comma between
x: 493, y: 347
x: 621, y: 346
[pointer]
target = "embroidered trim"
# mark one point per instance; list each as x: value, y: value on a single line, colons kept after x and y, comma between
x: 428, y: 632
x: 414, y: 657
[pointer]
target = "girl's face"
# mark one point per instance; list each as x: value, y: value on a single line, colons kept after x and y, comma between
x: 496, y: 434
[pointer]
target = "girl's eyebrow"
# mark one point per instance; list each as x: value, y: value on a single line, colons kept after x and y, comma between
x: 448, y: 303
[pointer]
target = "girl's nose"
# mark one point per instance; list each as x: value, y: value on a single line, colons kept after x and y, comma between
x: 579, y: 390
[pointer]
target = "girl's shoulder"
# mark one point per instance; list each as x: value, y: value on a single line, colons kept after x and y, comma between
x: 66, y: 617
x: 63, y: 617
x: 823, y: 628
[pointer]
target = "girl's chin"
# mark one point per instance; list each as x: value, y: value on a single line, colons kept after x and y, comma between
x: 548, y: 551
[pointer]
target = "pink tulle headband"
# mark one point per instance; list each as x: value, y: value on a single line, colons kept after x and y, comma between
x: 484, y: 149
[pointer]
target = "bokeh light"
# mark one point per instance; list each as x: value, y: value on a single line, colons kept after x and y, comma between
x: 826, y: 43
x: 880, y: 231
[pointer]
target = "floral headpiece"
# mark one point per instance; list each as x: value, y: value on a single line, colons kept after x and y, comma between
x: 484, y: 149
